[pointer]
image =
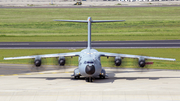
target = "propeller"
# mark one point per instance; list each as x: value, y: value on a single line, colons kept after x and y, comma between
x: 63, y: 62
x: 143, y: 64
x: 117, y: 62
x: 37, y: 65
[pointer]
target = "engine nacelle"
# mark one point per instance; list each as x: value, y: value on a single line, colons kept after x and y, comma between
x: 37, y: 62
x: 141, y: 62
x: 61, y: 61
x: 117, y: 61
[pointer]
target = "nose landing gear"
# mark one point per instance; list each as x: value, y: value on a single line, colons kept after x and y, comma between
x: 89, y: 79
x: 76, y: 77
x: 102, y: 77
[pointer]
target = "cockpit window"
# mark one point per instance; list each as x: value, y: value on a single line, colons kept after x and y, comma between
x: 90, y: 62
x: 84, y: 62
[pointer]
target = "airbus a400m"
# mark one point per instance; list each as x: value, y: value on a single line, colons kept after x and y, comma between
x: 89, y: 59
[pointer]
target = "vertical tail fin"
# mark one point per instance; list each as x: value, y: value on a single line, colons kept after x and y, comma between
x: 89, y: 33
x: 89, y: 21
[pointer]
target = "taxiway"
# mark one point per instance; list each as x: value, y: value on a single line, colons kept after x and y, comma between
x: 95, y: 44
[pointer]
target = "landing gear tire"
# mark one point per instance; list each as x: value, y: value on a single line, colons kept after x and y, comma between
x: 89, y: 79
x: 76, y: 77
x: 102, y: 77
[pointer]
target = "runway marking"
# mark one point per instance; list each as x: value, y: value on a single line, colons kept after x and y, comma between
x: 13, y: 64
x: 28, y: 74
x: 15, y: 74
x: 54, y: 72
x: 134, y: 43
x: 5, y: 44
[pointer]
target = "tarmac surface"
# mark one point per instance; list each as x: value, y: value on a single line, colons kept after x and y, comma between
x: 95, y: 44
x: 121, y: 85
x: 14, y: 69
x: 85, y: 4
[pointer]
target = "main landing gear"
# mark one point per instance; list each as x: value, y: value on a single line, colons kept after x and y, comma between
x: 102, y: 77
x: 89, y: 79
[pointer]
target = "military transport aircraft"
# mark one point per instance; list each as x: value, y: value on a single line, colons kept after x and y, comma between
x: 89, y: 59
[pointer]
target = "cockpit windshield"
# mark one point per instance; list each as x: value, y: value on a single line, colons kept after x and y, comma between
x: 89, y: 62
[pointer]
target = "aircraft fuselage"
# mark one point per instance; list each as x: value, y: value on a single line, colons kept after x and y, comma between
x: 89, y: 63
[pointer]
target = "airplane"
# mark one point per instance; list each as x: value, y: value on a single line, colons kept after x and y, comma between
x: 89, y: 59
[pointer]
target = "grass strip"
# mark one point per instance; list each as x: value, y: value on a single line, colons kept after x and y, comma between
x: 142, y: 23
x: 127, y: 63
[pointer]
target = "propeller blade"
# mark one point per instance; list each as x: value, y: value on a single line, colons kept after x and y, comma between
x: 35, y: 68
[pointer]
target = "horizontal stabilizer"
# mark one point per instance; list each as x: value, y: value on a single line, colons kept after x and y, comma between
x: 96, y: 21
x: 84, y: 21
x: 92, y: 21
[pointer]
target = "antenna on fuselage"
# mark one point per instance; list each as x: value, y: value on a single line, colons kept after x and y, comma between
x: 89, y: 21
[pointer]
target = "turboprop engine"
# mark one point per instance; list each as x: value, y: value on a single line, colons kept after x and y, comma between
x: 141, y: 62
x: 117, y: 61
x: 61, y: 61
x: 37, y: 62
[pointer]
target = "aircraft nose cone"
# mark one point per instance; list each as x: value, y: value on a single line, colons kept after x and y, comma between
x: 90, y: 69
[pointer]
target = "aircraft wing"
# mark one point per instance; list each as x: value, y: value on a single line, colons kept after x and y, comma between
x: 133, y: 56
x: 44, y: 56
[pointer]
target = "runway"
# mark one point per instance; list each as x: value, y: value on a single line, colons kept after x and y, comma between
x: 121, y: 85
x: 95, y: 44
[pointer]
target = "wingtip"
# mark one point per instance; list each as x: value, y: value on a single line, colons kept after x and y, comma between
x: 6, y: 59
